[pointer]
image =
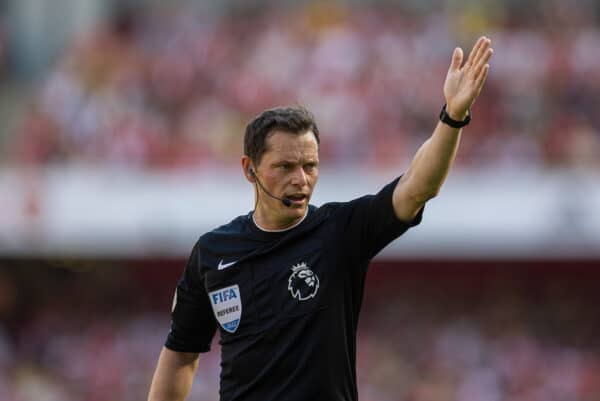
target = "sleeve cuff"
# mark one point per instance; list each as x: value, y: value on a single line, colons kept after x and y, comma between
x: 178, y: 346
x: 416, y: 220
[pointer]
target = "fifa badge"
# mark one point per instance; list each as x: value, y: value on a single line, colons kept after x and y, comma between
x: 227, y: 306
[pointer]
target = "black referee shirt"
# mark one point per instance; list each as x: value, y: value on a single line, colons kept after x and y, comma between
x: 286, y: 303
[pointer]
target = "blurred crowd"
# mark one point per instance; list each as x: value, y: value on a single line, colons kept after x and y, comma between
x: 480, y: 336
x: 96, y: 337
x: 171, y: 87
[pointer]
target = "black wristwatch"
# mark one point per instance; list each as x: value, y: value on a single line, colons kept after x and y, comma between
x: 445, y: 118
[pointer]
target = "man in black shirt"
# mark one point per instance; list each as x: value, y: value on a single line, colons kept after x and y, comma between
x: 284, y: 283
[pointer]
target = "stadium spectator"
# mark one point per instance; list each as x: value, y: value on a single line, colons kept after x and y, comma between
x: 160, y: 89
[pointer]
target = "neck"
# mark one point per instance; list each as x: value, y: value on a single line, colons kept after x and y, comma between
x: 266, y: 224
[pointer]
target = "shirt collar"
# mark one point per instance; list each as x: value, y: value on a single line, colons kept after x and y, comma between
x: 281, y: 229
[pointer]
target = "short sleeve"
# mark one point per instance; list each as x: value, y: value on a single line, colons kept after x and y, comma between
x: 373, y: 222
x: 193, y: 324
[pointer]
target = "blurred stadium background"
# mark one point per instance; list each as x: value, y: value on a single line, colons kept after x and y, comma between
x: 121, y: 126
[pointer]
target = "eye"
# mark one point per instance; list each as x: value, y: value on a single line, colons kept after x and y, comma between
x: 286, y: 166
x: 310, y: 167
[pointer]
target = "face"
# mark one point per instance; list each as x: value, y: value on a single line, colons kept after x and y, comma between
x: 288, y: 169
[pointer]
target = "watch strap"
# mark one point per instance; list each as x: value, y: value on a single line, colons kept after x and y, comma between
x: 446, y: 119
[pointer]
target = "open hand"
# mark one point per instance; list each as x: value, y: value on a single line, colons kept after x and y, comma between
x: 463, y: 84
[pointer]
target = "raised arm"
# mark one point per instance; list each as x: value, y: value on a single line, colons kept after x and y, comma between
x: 429, y: 168
x: 173, y: 377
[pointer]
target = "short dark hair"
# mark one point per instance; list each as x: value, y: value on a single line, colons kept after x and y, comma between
x: 293, y: 120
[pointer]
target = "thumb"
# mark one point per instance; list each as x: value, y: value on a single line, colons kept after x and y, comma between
x: 457, y: 58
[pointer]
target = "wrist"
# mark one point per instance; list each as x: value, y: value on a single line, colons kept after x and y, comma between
x: 457, y: 115
x: 453, y: 120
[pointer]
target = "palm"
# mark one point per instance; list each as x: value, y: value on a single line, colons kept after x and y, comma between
x: 464, y: 82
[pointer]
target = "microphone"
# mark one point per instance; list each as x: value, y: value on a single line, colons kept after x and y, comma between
x: 285, y: 201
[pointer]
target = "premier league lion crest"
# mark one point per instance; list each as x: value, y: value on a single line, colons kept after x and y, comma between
x: 303, y: 283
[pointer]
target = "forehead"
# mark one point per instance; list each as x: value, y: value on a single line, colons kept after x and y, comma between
x: 290, y: 146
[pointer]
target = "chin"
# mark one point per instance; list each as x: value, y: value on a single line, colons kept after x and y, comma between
x: 297, y: 211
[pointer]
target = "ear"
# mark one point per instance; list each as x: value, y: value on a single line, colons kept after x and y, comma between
x: 248, y: 169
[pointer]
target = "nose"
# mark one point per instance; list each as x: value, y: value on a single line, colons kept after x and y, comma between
x: 299, y: 177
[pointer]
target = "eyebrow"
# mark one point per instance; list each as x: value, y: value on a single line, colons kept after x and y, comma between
x: 287, y: 161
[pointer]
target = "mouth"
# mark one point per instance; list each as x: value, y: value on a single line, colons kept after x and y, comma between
x: 297, y: 198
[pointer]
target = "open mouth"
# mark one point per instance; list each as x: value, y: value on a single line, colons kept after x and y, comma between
x: 296, y: 197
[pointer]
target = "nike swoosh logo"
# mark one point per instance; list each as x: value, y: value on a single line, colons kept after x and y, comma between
x: 225, y: 265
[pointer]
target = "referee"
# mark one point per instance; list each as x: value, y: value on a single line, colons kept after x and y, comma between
x: 284, y: 283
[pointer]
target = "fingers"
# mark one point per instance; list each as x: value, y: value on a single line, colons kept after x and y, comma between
x: 457, y: 58
x: 475, y: 49
x: 482, y: 63
x: 480, y: 79
x: 479, y: 52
